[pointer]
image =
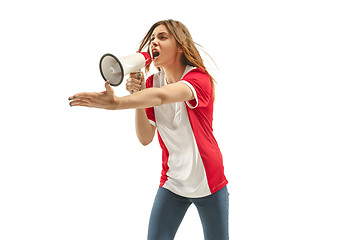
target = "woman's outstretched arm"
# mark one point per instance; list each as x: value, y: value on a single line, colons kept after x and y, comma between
x: 150, y: 97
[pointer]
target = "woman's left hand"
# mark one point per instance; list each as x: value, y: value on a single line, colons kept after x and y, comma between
x: 105, y: 99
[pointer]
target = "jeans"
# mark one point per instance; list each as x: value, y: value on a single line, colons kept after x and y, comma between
x: 169, y: 209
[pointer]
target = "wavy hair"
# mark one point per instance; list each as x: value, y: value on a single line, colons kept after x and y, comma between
x: 183, y: 37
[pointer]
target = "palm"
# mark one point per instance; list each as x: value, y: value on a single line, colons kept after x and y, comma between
x: 105, y: 99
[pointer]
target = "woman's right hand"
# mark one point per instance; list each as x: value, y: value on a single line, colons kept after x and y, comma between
x: 135, y: 82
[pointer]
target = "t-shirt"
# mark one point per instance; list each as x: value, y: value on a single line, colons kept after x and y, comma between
x: 192, y: 164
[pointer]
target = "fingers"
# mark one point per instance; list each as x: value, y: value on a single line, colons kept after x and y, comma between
x: 108, y: 88
x: 82, y: 99
x: 135, y: 82
x: 79, y: 100
x: 132, y: 84
x: 137, y: 75
x: 82, y: 103
x: 92, y: 99
x: 83, y: 95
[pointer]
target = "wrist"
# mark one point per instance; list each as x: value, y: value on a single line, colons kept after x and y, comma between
x: 117, y: 103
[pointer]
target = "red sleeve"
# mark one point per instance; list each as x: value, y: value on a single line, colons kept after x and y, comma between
x: 150, y: 111
x: 200, y: 83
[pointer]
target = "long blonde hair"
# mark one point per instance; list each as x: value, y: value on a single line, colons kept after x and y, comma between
x: 182, y: 36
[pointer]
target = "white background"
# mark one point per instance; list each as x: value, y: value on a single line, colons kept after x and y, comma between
x: 286, y: 118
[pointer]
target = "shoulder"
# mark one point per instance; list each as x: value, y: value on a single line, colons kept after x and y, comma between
x: 198, y: 77
x: 196, y: 73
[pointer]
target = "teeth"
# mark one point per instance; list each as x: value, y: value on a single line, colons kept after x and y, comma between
x: 155, y: 53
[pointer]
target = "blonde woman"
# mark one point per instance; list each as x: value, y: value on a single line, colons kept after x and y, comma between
x: 177, y: 102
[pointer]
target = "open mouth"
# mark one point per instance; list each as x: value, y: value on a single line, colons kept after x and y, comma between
x: 155, y: 54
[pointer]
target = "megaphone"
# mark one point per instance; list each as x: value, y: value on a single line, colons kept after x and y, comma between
x: 114, y: 69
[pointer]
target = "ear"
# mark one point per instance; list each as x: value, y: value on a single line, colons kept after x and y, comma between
x: 180, y: 49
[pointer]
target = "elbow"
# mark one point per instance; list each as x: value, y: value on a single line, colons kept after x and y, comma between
x: 145, y: 142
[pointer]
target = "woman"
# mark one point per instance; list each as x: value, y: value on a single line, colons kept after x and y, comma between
x: 178, y: 103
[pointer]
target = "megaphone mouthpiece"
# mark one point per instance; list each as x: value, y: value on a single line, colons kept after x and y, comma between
x: 147, y: 57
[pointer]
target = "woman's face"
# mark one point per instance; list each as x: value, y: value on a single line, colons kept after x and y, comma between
x: 164, y: 48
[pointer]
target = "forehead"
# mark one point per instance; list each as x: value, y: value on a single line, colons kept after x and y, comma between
x: 160, y: 29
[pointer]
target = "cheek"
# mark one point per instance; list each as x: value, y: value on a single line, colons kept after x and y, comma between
x: 170, y: 51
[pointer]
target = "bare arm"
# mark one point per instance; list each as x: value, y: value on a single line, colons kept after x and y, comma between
x: 176, y: 92
x: 150, y: 97
x: 144, y: 130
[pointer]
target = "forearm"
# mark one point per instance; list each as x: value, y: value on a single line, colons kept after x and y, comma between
x: 147, y: 98
x: 144, y: 130
x: 150, y: 97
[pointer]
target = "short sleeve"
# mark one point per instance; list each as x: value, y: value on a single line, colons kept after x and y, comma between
x: 200, y: 84
x: 150, y: 113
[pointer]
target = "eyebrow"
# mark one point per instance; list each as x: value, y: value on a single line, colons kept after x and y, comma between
x: 160, y: 33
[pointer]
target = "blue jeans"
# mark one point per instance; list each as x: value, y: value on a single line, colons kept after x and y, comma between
x: 169, y: 209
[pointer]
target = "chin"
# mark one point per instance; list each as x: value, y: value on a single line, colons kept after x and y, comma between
x: 156, y: 64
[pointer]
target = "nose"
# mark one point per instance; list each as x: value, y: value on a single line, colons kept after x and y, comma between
x: 154, y: 42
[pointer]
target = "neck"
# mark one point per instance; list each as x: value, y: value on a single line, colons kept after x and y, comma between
x: 174, y: 72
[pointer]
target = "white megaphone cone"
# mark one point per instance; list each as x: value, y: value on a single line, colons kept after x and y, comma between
x: 114, y: 69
